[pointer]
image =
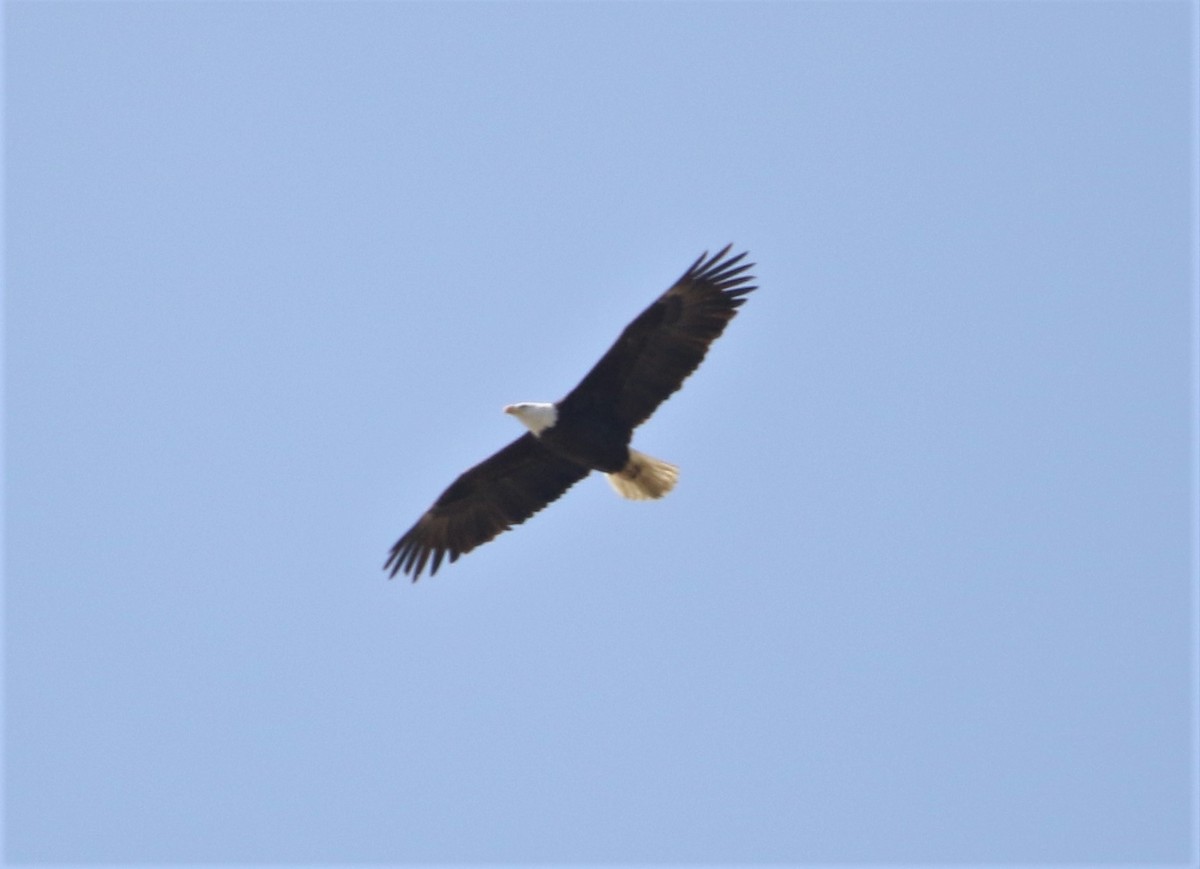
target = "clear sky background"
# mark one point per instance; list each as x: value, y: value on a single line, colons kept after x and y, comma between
x: 922, y: 594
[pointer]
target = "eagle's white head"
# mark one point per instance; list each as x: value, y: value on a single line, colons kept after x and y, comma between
x: 535, y: 416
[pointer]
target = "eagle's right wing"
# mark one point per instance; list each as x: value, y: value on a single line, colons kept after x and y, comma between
x: 498, y: 493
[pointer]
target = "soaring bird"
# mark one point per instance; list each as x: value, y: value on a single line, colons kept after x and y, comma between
x: 591, y: 428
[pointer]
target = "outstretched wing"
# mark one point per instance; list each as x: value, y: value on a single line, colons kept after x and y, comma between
x: 665, y: 343
x: 498, y: 493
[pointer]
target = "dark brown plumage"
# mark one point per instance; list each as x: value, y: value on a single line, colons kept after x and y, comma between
x: 591, y: 427
x: 491, y: 497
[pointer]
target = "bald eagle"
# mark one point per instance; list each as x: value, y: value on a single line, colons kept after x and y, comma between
x: 591, y: 428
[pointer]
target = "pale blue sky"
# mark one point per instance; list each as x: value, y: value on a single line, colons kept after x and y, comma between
x: 923, y: 593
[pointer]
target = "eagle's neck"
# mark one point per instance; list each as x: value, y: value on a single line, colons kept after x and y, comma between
x: 535, y: 416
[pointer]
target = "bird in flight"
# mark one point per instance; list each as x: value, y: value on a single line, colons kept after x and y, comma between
x: 591, y: 428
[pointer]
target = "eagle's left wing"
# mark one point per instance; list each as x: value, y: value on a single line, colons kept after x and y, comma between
x: 665, y: 343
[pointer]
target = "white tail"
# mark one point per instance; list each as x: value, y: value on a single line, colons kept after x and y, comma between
x: 644, y: 478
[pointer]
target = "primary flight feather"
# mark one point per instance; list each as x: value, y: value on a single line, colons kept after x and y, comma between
x: 591, y: 428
